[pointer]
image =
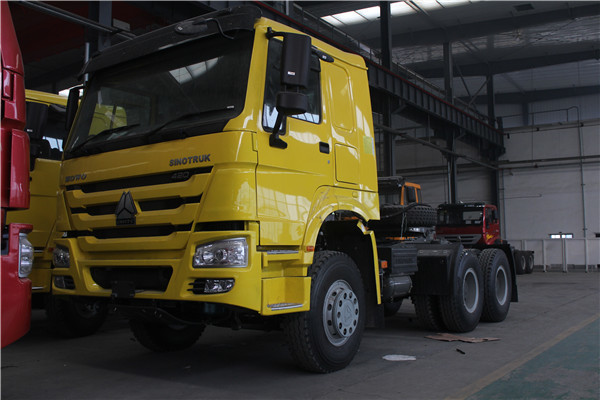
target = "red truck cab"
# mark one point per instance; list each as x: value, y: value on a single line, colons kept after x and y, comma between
x: 17, y: 252
x: 468, y: 223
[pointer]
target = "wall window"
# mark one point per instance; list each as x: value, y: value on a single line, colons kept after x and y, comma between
x: 561, y: 235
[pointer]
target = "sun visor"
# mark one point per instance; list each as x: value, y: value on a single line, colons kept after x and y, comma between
x: 216, y: 23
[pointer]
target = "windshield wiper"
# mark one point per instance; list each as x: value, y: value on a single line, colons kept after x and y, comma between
x: 183, y: 117
x: 100, y: 134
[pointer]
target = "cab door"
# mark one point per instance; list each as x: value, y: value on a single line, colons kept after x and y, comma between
x: 287, y: 179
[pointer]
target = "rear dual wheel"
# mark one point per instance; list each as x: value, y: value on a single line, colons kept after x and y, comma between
x: 497, y: 282
x: 461, y: 310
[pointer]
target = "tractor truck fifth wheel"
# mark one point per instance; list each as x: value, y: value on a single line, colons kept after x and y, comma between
x: 326, y: 338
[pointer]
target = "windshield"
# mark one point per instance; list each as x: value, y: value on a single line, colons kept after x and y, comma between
x: 189, y: 90
x: 460, y: 216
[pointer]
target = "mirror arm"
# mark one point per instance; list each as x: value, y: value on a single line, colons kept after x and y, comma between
x: 274, y: 139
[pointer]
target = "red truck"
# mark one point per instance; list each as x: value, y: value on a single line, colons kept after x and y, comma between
x: 476, y: 225
x: 17, y: 251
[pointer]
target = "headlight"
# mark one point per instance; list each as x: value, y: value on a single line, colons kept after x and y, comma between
x: 25, y: 256
x: 224, y: 253
x: 61, y: 257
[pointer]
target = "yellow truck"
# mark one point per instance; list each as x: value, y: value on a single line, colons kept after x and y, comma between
x: 233, y: 184
x: 47, y: 132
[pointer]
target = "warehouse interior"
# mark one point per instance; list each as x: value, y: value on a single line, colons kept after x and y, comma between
x: 304, y: 277
x: 527, y: 70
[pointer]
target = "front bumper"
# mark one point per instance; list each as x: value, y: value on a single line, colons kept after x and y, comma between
x: 169, y: 275
x: 16, y: 291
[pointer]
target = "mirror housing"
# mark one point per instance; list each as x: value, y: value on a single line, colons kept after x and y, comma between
x: 295, y: 67
x: 291, y: 103
x: 72, y: 106
x: 295, y: 60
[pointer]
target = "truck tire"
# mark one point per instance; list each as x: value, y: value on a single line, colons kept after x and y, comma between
x: 520, y: 262
x: 75, y: 317
x: 421, y: 215
x: 429, y: 314
x: 462, y: 309
x: 497, y: 285
x: 161, y: 337
x: 327, y: 337
x: 529, y: 264
x: 391, y: 309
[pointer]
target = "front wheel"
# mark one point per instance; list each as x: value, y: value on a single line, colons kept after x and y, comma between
x: 161, y: 337
x: 76, y: 316
x: 327, y: 337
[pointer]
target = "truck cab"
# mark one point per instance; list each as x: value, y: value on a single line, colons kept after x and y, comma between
x: 17, y: 251
x: 221, y: 171
x: 468, y: 223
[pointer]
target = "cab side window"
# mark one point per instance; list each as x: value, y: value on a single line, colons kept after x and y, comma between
x: 410, y: 194
x: 46, y: 129
x: 273, y: 86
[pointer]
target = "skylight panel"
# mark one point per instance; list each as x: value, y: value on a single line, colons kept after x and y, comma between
x: 427, y: 4
x: 349, y: 17
x: 371, y: 13
x: 400, y: 8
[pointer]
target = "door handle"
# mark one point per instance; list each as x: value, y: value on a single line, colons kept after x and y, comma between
x: 324, y: 147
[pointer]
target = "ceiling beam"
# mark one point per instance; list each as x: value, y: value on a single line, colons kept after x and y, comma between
x: 435, y: 69
x: 484, y: 28
x: 537, y: 95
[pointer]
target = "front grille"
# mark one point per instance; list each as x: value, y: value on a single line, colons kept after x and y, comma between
x: 139, y: 181
x: 135, y: 231
x: 220, y: 226
x: 145, y: 205
x: 143, y: 278
x: 466, y: 239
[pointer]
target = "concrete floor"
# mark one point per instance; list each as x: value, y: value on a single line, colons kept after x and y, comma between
x: 548, y: 348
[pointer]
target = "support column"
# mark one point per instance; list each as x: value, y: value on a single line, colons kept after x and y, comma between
x: 491, y: 100
x: 386, y: 34
x: 448, y: 73
x: 451, y: 168
x: 389, y: 143
x: 525, y: 113
x: 101, y: 12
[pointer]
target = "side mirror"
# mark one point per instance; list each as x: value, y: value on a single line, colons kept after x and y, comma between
x: 295, y: 67
x: 72, y: 106
x: 295, y: 60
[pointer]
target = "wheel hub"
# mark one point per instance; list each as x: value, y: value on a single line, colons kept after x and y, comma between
x: 340, y: 312
x: 470, y: 291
